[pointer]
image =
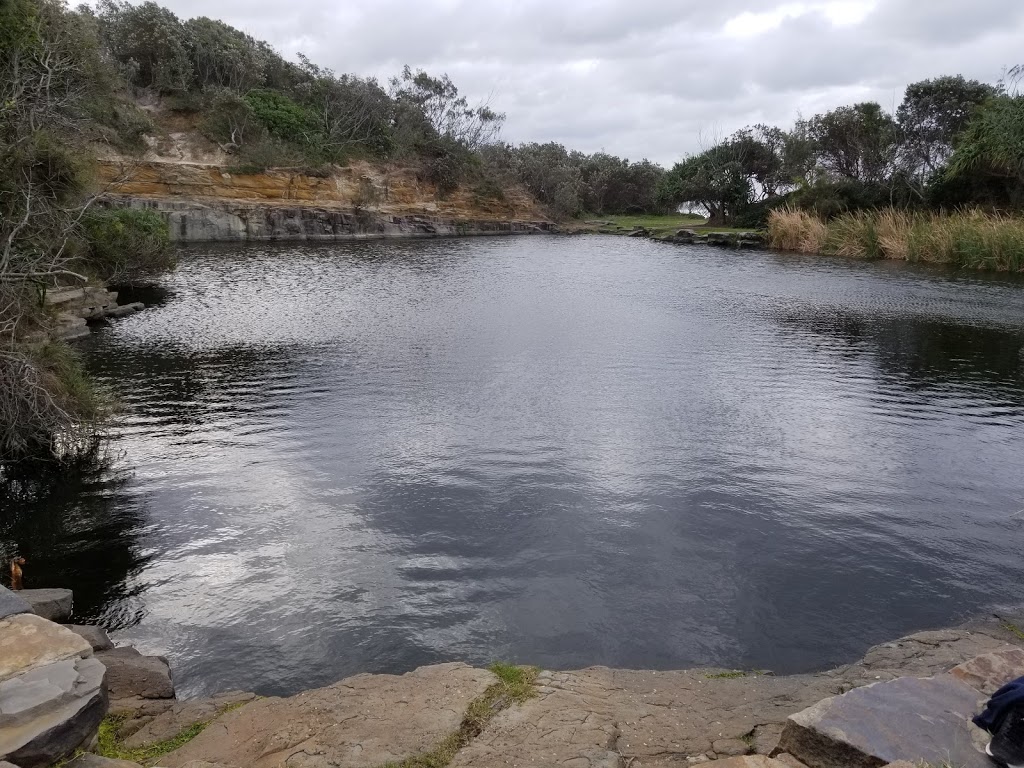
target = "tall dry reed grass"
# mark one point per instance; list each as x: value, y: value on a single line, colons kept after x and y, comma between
x: 969, y: 239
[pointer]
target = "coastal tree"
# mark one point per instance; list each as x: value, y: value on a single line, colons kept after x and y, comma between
x: 859, y: 143
x: 150, y: 43
x: 714, y: 181
x: 931, y: 117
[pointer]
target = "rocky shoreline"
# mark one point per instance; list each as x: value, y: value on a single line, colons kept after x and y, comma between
x: 910, y: 699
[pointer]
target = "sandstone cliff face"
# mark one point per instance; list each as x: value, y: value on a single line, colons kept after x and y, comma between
x: 209, y: 202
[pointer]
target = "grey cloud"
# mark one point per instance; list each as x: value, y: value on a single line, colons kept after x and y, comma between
x: 638, y: 78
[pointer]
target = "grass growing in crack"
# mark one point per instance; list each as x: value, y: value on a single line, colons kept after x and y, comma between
x: 112, y: 746
x: 732, y: 675
x: 514, y: 686
x: 1013, y: 629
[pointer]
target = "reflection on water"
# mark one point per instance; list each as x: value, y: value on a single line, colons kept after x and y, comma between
x: 563, y: 451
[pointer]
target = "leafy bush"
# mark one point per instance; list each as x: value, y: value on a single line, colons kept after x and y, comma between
x: 283, y: 117
x: 127, y: 244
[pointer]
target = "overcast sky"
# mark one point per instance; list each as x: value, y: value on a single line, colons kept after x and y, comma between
x: 645, y: 78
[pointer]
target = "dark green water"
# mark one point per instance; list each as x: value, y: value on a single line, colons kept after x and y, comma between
x: 563, y: 451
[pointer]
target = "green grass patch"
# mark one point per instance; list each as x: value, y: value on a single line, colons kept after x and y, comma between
x: 1013, y: 629
x: 731, y: 675
x: 514, y: 686
x: 111, y: 746
x: 659, y: 227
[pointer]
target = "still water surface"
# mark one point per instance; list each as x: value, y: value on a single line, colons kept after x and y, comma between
x: 562, y: 451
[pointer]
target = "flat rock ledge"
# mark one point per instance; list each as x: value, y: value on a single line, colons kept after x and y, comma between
x: 52, y: 691
x: 909, y: 700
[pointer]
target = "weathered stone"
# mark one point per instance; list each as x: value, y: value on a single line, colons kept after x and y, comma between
x: 136, y: 708
x: 903, y: 719
x: 991, y: 671
x: 11, y: 604
x: 749, y: 761
x: 48, y: 712
x: 365, y: 720
x: 52, y: 604
x: 184, y: 715
x: 130, y: 674
x: 730, y: 747
x: 790, y: 761
x: 28, y: 641
x: 766, y: 738
x: 95, y: 761
x: 95, y: 636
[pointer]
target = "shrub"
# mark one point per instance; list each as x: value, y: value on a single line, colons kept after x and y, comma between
x: 48, y: 407
x: 127, y: 244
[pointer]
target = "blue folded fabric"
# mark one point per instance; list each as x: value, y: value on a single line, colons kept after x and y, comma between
x: 999, y: 706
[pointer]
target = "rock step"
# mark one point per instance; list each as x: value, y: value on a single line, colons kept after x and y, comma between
x: 11, y: 604
x: 908, y: 718
x: 52, y: 692
x: 132, y: 677
x: 50, y: 711
x: 52, y: 604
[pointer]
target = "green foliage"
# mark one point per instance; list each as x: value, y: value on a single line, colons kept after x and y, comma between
x: 284, y: 118
x: 933, y: 114
x: 993, y: 142
x: 127, y: 244
x: 39, y: 387
x: 150, y: 43
x: 859, y: 142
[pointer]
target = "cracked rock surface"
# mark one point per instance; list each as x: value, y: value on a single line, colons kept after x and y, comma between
x: 366, y: 720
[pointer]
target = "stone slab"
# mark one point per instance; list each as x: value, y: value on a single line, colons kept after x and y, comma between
x: 39, y: 735
x: 95, y: 636
x: 184, y: 715
x: 95, y: 761
x: 11, y: 604
x: 28, y: 641
x: 747, y: 761
x: 130, y: 674
x: 991, y: 671
x: 903, y: 719
x: 366, y: 720
x: 52, y: 604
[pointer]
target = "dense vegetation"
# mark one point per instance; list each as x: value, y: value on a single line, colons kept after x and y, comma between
x: 952, y: 143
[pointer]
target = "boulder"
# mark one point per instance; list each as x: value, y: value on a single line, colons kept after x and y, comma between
x: 907, y: 718
x: 748, y: 761
x: 28, y: 641
x: 130, y: 674
x: 52, y: 604
x: 48, y: 712
x: 95, y: 636
x: 184, y: 715
x: 11, y: 604
x: 991, y: 671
